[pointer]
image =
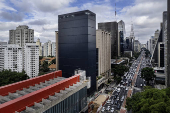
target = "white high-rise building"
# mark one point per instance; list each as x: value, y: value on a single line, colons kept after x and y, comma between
x: 53, y: 48
x: 21, y: 35
x: 3, y: 46
x: 40, y: 46
x: 11, y: 57
x: 47, y: 49
x: 31, y: 59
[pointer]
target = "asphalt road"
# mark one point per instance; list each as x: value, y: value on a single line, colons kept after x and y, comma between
x: 115, y: 99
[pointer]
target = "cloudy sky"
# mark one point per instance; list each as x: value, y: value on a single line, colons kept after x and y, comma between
x: 42, y: 15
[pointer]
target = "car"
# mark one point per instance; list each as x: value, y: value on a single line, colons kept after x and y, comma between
x: 103, y: 109
x: 126, y: 88
x: 108, y: 101
x: 141, y: 85
x: 108, y: 108
x: 112, y: 110
x: 118, y: 106
x: 123, y: 97
x: 112, y: 101
x: 116, y: 102
x: 117, y: 98
x: 135, y: 85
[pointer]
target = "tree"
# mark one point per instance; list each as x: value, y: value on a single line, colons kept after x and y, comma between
x: 53, y: 61
x: 136, y: 54
x: 147, y: 53
x: 40, y: 57
x: 119, y: 70
x: 45, y: 66
x: 9, y: 77
x: 148, y: 74
x: 151, y: 100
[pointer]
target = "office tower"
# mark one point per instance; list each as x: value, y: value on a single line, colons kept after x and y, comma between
x: 77, y: 44
x: 47, y: 49
x: 160, y: 54
x: 40, y: 47
x: 111, y: 27
x: 137, y: 47
x: 53, y: 48
x: 168, y: 45
x: 49, y: 93
x: 132, y: 38
x: 31, y: 59
x: 121, y: 36
x: 103, y: 45
x: 156, y: 40
x: 163, y: 24
x: 21, y: 35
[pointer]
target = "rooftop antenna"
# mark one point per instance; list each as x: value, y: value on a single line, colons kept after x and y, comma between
x: 115, y: 12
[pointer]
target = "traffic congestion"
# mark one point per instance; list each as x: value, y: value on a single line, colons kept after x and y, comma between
x: 114, y: 103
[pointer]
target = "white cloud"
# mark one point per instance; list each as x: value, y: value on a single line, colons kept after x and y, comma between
x: 145, y: 14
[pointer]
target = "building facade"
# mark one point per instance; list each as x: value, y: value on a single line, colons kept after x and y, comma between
x: 137, y: 47
x: 31, y: 59
x: 21, y: 35
x: 3, y: 46
x: 121, y: 36
x: 77, y: 44
x: 47, y: 49
x: 10, y: 57
x: 160, y: 54
x: 111, y: 27
x: 40, y: 47
x: 53, y: 48
x: 103, y: 45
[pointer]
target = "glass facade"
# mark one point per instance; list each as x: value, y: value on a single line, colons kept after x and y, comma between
x: 77, y: 44
x: 72, y: 104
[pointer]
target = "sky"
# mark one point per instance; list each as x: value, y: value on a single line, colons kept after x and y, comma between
x: 42, y: 15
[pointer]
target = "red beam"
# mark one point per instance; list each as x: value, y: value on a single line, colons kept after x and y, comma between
x: 20, y: 103
x: 4, y: 90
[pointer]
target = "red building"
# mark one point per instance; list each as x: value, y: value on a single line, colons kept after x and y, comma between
x: 49, y: 93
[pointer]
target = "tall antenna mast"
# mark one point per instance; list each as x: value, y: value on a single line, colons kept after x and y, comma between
x: 115, y: 12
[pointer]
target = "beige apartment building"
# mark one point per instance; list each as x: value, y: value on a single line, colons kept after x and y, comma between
x: 103, y: 43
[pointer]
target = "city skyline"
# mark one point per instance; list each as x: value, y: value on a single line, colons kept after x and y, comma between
x: 145, y: 15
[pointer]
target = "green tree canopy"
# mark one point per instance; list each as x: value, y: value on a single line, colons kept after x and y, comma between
x: 9, y: 77
x: 53, y: 61
x: 119, y: 70
x: 45, y: 66
x: 151, y: 100
x: 147, y: 53
x: 148, y: 74
x: 136, y: 54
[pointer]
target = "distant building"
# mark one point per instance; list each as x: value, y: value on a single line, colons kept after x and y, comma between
x: 47, y: 49
x: 111, y: 27
x: 137, y: 47
x: 21, y: 35
x: 121, y: 37
x: 163, y: 24
x: 53, y: 49
x: 77, y: 44
x: 40, y: 47
x: 31, y: 59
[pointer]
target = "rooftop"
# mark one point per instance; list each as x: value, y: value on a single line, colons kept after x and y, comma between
x: 37, y: 94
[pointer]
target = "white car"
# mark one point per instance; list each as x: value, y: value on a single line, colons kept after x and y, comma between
x: 141, y: 85
x: 126, y: 88
x: 112, y: 110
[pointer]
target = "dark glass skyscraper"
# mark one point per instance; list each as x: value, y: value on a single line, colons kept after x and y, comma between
x: 77, y: 44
